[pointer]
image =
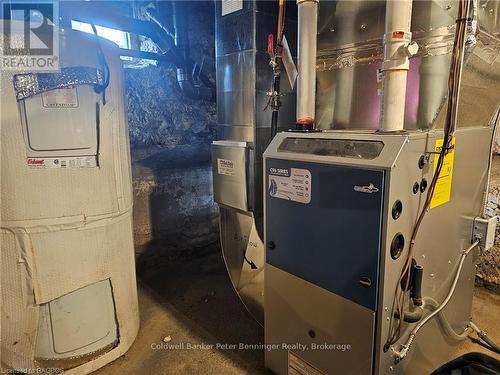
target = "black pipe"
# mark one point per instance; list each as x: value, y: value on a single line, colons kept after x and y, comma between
x: 175, y: 49
x: 416, y: 285
x: 185, y: 71
x: 411, y: 316
x: 275, y: 97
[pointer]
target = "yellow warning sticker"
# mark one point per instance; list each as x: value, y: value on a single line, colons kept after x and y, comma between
x: 442, y: 192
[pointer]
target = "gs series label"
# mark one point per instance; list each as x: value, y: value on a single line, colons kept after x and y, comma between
x: 291, y: 184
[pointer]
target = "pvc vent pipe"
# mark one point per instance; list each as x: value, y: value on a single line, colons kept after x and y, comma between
x: 306, y: 56
x: 397, y: 49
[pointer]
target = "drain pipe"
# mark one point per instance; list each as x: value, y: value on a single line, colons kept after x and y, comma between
x: 307, y: 30
x: 397, y: 49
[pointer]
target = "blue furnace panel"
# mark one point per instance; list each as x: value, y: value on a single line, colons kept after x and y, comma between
x: 333, y: 241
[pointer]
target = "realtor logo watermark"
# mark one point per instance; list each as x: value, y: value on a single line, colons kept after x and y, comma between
x: 30, y: 40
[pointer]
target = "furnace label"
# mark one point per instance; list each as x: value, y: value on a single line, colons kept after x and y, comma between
x: 291, y: 184
x: 442, y: 192
x: 225, y: 167
x: 297, y: 366
x: 62, y: 162
x: 60, y: 98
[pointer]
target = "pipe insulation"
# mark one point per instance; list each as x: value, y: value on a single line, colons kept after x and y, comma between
x: 397, y: 49
x: 306, y: 56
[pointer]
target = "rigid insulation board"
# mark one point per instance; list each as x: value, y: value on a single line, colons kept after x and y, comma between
x: 64, y: 229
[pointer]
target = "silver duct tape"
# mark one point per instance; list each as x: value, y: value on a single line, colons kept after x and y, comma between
x: 434, y: 43
x: 29, y: 84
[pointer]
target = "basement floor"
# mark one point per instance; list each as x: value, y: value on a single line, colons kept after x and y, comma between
x: 192, y: 301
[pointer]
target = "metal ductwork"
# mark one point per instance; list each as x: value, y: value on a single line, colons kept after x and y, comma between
x: 350, y: 52
x: 244, y: 79
x: 186, y: 70
x: 175, y: 48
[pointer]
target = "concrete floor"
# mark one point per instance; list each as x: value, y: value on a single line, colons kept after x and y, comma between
x: 192, y: 302
x: 190, y: 299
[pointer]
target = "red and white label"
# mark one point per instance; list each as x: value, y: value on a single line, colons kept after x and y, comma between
x: 63, y: 162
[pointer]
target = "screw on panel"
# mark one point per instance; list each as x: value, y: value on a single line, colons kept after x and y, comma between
x: 391, y: 368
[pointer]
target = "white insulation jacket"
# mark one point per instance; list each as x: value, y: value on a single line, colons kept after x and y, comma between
x: 64, y: 229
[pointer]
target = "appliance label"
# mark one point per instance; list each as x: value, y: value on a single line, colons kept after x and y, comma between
x: 63, y: 162
x: 60, y: 98
x: 291, y: 184
x: 297, y: 366
x: 225, y: 167
x: 442, y: 192
x: 231, y: 6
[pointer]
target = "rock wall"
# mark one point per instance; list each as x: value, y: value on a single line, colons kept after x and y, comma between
x: 170, y: 137
x: 488, y: 270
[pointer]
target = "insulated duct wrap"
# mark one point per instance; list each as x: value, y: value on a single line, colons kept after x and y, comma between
x: 30, y: 84
x: 67, y: 228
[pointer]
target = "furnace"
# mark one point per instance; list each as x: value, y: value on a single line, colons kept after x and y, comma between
x: 340, y: 208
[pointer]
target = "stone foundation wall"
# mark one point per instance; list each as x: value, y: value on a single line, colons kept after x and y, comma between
x: 488, y: 270
x: 170, y: 137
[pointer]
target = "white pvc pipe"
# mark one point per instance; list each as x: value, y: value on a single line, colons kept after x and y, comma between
x: 396, y: 64
x: 306, y: 56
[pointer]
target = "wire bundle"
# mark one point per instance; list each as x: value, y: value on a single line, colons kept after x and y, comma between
x: 454, y: 80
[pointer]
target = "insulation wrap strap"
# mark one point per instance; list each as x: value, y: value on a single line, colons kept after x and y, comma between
x: 63, y: 223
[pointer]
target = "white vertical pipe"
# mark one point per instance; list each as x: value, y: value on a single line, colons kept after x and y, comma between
x: 306, y: 56
x: 396, y: 64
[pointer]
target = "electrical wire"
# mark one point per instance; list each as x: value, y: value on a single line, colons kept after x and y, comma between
x: 102, y: 60
x: 492, y: 345
x: 405, y: 348
x: 454, y: 80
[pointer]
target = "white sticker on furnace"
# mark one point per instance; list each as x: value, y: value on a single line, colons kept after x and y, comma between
x: 60, y: 98
x: 231, y: 6
x: 225, y: 167
x: 292, y: 184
